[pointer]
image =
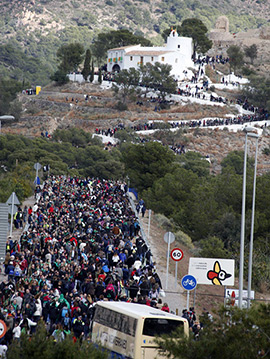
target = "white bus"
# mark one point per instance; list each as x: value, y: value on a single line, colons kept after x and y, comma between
x: 127, y: 330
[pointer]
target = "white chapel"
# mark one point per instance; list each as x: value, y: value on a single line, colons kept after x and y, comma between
x: 177, y: 52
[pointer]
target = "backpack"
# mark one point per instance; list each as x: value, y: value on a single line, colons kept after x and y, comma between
x: 64, y: 311
x: 66, y: 321
x: 110, y: 291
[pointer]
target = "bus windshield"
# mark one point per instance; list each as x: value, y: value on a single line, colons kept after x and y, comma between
x: 159, y: 326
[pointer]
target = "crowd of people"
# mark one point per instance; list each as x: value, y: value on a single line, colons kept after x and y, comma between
x: 81, y: 244
x: 258, y: 115
x: 178, y: 149
x: 237, y: 120
x: 212, y: 60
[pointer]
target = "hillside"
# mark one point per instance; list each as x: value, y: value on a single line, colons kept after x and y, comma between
x: 65, y: 107
x: 38, y: 28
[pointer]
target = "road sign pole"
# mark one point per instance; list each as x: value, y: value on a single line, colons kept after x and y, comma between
x: 11, y: 220
x: 225, y: 301
x: 175, y: 284
x: 169, y: 238
x: 36, y: 175
x: 37, y: 167
x: 188, y: 300
x: 189, y: 283
x: 168, y: 254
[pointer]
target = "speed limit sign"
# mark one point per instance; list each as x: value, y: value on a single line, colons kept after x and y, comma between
x: 177, y: 254
x: 3, y: 328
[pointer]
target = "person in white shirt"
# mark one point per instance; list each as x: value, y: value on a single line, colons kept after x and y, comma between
x: 16, y: 331
x: 3, y: 350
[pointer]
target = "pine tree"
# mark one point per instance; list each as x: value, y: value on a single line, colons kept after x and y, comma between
x: 92, y: 73
x: 251, y: 52
x: 86, y: 67
x: 99, y: 76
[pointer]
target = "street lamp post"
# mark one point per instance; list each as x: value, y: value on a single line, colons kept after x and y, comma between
x: 242, y: 240
x: 252, y: 221
x: 249, y: 131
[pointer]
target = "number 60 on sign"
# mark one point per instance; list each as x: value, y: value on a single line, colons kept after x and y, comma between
x: 177, y: 254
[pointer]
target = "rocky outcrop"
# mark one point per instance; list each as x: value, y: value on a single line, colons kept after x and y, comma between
x: 265, y: 33
x: 220, y: 34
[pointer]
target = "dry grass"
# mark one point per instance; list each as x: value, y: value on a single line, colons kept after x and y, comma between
x: 184, y: 109
x: 212, y: 74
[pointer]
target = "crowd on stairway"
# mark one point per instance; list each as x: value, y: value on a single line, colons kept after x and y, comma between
x: 81, y: 244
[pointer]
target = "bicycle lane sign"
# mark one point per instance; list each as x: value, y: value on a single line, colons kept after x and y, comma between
x: 189, y: 282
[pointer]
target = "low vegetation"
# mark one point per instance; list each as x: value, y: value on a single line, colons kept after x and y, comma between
x: 220, y: 336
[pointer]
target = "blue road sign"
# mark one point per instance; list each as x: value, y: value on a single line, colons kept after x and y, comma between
x: 189, y: 282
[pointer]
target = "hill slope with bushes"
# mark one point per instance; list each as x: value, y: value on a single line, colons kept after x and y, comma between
x: 38, y: 28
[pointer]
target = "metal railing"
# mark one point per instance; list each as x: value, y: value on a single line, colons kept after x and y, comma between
x: 144, y: 237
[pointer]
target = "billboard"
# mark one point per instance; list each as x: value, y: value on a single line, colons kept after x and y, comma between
x: 232, y: 295
x: 213, y: 271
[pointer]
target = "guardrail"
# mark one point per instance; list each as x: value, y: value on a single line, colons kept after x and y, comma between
x: 141, y: 226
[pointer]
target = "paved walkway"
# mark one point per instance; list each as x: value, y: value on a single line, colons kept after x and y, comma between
x: 175, y: 296
x: 16, y: 233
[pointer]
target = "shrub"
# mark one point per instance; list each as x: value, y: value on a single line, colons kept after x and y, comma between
x: 121, y: 106
x: 184, y: 239
x: 161, y: 125
x: 266, y: 151
x: 213, y: 247
x: 60, y: 77
x: 124, y: 136
x: 164, y: 222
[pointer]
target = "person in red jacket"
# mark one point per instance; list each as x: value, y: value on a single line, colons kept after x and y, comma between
x: 165, y: 308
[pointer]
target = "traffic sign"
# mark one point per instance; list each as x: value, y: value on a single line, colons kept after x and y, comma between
x: 37, y: 166
x: 3, y: 328
x: 13, y: 199
x: 169, y: 237
x: 189, y: 282
x: 12, y: 210
x: 177, y: 254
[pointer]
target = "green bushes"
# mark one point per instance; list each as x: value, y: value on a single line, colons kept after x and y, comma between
x: 77, y: 154
x: 42, y: 346
x: 203, y: 208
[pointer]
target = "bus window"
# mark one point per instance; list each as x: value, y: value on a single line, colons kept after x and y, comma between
x: 158, y: 326
x: 115, y: 320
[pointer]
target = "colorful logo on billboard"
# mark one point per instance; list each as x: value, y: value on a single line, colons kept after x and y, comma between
x: 213, y: 271
x: 217, y: 275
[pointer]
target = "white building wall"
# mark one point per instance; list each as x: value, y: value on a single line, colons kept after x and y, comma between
x: 124, y: 62
x: 180, y: 56
x: 129, y: 63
